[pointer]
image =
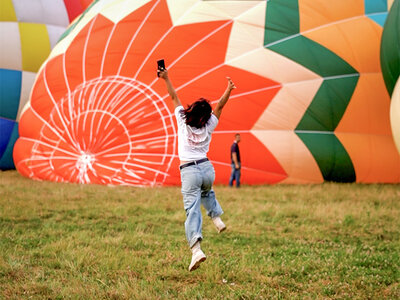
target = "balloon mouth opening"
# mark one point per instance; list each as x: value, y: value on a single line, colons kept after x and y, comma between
x: 83, y: 164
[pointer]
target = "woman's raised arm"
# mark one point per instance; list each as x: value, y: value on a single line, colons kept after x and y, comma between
x: 171, y: 91
x: 224, y: 98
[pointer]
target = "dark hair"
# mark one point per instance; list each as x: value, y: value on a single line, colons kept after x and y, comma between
x: 198, y: 113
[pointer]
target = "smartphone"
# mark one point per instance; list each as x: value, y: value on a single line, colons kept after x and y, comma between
x: 160, y: 66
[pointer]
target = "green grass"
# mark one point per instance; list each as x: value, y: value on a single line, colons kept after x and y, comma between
x: 329, y: 241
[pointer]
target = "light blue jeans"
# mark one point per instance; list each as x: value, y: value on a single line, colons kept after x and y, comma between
x: 197, y: 181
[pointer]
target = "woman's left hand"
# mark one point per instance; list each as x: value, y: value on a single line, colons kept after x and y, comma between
x: 231, y: 85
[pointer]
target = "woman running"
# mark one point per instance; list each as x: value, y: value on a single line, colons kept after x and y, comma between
x: 196, y: 123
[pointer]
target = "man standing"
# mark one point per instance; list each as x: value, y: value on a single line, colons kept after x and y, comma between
x: 236, y: 165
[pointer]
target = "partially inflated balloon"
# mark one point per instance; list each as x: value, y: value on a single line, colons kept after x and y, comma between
x: 310, y: 102
x: 28, y: 31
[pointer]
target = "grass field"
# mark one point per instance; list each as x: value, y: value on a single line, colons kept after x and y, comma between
x: 328, y: 241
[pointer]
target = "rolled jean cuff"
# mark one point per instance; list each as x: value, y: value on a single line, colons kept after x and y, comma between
x: 195, y: 238
x: 213, y: 214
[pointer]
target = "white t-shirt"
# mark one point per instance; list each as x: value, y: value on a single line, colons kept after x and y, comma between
x: 193, y: 143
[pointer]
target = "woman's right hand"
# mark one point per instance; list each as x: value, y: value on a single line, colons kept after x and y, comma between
x: 163, y: 74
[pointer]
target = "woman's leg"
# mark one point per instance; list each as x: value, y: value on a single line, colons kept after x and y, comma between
x: 191, y: 191
x: 210, y: 203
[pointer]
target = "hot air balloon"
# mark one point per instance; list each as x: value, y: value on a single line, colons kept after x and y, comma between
x: 310, y: 102
x: 28, y: 31
x: 390, y: 61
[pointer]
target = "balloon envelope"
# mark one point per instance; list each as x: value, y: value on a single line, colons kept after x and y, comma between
x: 28, y: 31
x: 310, y: 102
